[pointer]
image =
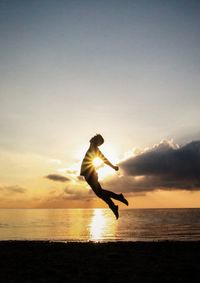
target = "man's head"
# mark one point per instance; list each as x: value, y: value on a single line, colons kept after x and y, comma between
x: 97, y: 140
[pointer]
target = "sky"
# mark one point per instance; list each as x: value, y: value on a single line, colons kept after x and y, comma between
x: 126, y: 69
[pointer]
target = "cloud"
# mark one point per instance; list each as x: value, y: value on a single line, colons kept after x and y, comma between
x: 55, y: 161
x: 57, y: 178
x: 165, y: 166
x: 66, y: 197
x: 72, y: 172
x: 13, y: 189
x: 80, y: 178
x: 77, y: 193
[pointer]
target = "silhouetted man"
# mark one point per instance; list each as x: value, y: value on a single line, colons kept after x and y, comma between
x: 91, y: 176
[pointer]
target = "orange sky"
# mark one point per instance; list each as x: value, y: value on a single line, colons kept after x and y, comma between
x: 34, y: 190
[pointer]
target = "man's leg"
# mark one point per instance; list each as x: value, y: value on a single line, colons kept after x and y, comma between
x: 119, y: 197
x: 96, y: 187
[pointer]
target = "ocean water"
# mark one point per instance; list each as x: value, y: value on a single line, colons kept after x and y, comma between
x: 100, y: 225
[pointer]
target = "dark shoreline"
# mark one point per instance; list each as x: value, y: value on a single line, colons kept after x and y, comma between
x: 43, y: 261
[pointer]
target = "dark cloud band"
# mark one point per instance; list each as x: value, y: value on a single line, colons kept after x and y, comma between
x: 57, y: 178
x: 166, y: 161
x: 165, y: 166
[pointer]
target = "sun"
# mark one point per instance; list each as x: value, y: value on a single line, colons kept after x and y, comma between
x: 97, y: 162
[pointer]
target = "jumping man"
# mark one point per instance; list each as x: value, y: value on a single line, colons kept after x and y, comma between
x: 91, y: 176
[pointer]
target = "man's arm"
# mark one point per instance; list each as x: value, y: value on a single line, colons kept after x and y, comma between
x: 106, y: 161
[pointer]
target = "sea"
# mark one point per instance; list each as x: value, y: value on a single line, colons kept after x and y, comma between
x: 100, y: 225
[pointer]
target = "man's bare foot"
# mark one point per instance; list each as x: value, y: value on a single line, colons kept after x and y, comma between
x: 115, y: 211
x: 123, y: 199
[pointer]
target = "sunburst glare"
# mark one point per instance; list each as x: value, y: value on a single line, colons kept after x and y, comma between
x: 97, y: 162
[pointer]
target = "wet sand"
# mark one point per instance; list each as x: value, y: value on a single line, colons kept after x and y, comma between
x: 32, y: 261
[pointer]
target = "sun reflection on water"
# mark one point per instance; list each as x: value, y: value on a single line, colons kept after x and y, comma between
x: 102, y: 225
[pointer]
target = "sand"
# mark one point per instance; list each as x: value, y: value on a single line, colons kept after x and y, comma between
x: 32, y: 261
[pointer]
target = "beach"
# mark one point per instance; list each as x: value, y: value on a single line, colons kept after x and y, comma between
x: 43, y: 261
